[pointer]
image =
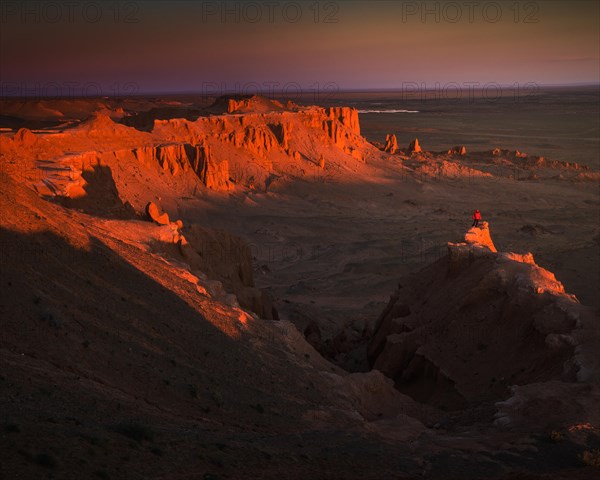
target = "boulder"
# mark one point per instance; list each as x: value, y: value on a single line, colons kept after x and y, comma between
x: 154, y: 214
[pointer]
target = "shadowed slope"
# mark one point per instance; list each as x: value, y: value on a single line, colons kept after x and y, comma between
x: 109, y: 348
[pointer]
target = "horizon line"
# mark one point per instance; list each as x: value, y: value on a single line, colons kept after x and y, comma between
x: 281, y: 93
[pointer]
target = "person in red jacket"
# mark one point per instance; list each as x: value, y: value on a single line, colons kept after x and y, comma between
x: 476, y: 218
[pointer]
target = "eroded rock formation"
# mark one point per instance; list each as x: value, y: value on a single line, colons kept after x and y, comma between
x: 259, y: 137
x: 228, y: 259
x: 391, y: 144
x: 414, y: 146
x: 460, y: 150
x: 466, y: 328
x: 480, y: 237
x: 213, y: 174
x: 179, y: 158
x: 24, y: 138
x: 346, y: 116
x: 171, y: 158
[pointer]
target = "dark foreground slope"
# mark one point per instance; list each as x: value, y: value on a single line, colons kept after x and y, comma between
x: 116, y: 365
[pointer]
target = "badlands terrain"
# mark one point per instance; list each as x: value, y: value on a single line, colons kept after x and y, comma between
x: 248, y: 288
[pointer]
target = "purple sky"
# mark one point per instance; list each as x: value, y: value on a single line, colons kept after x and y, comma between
x: 88, y: 47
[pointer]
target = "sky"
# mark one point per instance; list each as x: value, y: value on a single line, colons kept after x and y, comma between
x: 73, y: 48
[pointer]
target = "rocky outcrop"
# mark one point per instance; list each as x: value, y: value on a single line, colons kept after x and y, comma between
x: 260, y: 137
x: 153, y: 213
x: 255, y: 140
x: 342, y: 131
x: 24, y: 138
x: 480, y: 237
x: 526, y: 161
x: 235, y: 105
x: 467, y: 327
x: 586, y: 177
x: 261, y: 140
x: 213, y: 174
x: 254, y: 146
x: 391, y: 144
x: 446, y: 169
x: 346, y: 116
x: 335, y: 132
x: 179, y: 158
x: 478, y: 240
x: 551, y: 406
x: 228, y: 259
x: 173, y: 159
x: 62, y: 177
x: 282, y: 132
x: 414, y: 146
x: 253, y: 103
x: 100, y: 128
x: 460, y: 150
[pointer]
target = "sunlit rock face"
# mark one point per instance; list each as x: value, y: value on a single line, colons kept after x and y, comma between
x: 414, y: 146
